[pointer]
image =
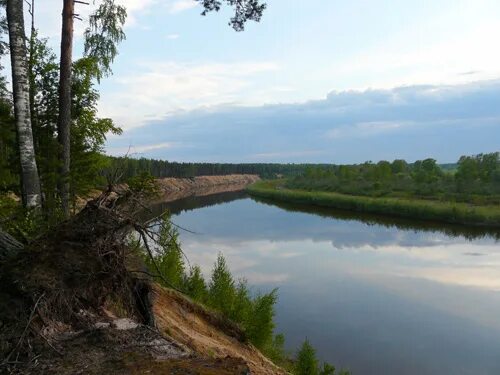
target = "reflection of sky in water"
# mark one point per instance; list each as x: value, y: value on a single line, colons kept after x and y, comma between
x: 376, y: 298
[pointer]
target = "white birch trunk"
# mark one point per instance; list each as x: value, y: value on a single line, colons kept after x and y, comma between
x: 20, y: 83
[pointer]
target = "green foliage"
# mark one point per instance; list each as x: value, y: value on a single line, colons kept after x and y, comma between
x: 456, y: 213
x: 168, y: 256
x: 162, y: 168
x: 275, y: 351
x: 260, y: 327
x: 327, y: 369
x: 24, y: 224
x: 105, y: 31
x: 244, y: 10
x: 222, y: 291
x: 306, y: 361
x: 195, y: 285
x: 143, y: 183
x: 476, y: 181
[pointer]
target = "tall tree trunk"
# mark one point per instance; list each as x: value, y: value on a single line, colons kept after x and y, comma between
x: 34, y: 119
x: 29, y: 172
x: 64, y: 120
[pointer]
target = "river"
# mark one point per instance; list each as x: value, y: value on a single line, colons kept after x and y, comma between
x: 375, y: 295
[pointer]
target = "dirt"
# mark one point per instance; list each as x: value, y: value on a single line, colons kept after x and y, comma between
x: 176, y: 188
x: 71, y: 303
x: 138, y: 350
x: 205, y: 333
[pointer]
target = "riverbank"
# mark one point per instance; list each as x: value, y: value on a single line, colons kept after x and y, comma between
x: 171, y: 189
x: 449, y: 212
x: 109, y: 316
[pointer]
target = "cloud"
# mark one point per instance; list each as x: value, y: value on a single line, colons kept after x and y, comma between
x: 171, y: 87
x: 182, y: 5
x: 411, y: 122
x: 48, y: 16
x: 173, y: 36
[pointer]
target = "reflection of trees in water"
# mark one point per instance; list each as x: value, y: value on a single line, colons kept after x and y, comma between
x: 468, y: 232
x: 194, y: 202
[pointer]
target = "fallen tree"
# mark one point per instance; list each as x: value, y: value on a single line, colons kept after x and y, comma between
x: 79, y: 298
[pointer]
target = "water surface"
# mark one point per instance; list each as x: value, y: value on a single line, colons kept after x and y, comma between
x: 376, y: 295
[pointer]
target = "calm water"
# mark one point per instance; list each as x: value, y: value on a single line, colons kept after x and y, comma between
x: 375, y: 295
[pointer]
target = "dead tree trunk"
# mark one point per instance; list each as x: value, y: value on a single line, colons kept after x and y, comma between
x: 64, y: 120
x: 20, y: 83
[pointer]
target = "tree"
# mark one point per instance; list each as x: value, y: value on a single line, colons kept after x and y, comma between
x: 221, y: 288
x: 307, y: 363
x: 244, y: 10
x: 196, y: 287
x: 169, y: 257
x: 104, y: 32
x: 30, y: 181
x: 64, y: 119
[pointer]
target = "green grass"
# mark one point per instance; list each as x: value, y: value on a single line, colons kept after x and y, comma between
x: 450, y: 212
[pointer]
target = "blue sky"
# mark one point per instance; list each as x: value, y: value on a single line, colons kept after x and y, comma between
x: 315, y: 81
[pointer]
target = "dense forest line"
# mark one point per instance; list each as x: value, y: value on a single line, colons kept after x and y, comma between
x: 131, y: 167
x: 473, y: 179
x: 467, y: 194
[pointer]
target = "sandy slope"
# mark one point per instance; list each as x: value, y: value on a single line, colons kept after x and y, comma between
x: 203, y: 333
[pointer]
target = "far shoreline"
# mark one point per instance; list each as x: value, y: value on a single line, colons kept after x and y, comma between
x: 421, y: 209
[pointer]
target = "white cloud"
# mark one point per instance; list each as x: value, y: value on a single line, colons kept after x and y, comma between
x: 173, y: 36
x: 182, y: 5
x: 164, y: 88
x: 48, y: 16
x: 406, y: 60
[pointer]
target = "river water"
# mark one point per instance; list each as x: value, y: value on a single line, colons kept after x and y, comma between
x: 375, y: 295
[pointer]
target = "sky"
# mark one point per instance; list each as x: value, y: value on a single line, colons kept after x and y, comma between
x: 315, y: 81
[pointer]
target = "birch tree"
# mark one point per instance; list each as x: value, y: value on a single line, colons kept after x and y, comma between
x: 30, y: 181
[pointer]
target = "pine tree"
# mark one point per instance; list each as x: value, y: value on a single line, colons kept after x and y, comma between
x: 196, y: 287
x: 307, y: 363
x: 221, y: 290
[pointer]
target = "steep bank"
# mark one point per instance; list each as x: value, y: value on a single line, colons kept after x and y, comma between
x: 78, y: 300
x: 448, y: 212
x: 177, y: 188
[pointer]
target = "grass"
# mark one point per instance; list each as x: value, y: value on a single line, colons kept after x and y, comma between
x: 449, y: 212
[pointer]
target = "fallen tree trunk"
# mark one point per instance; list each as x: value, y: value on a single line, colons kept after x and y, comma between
x: 8, y: 244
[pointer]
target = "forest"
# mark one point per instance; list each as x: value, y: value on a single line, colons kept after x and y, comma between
x: 475, y: 179
x: 468, y: 194
x: 132, y: 167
